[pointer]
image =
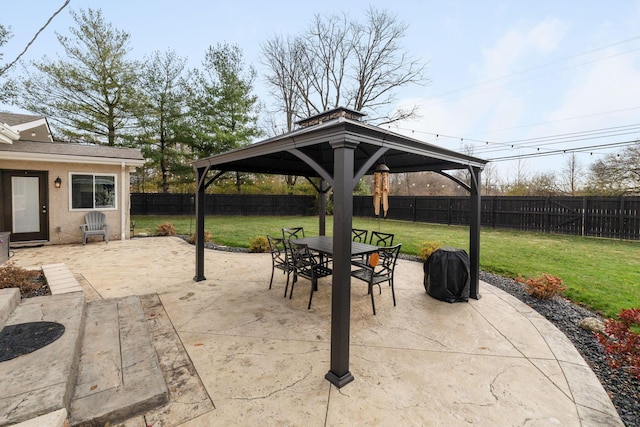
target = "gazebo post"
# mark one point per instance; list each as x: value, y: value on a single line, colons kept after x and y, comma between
x: 200, y: 188
x: 322, y: 208
x: 474, y: 233
x: 343, y: 155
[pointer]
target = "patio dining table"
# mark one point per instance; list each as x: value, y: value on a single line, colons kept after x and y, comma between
x: 324, y: 245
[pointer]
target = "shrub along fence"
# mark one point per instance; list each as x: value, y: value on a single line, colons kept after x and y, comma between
x: 610, y: 217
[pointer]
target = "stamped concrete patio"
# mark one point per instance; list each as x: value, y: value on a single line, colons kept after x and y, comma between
x: 261, y: 359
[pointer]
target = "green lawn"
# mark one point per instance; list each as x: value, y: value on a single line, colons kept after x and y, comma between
x: 601, y: 274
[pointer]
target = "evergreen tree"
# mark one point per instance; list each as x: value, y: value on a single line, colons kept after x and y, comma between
x: 89, y: 93
x: 164, y: 135
x: 5, y: 35
x: 223, y: 109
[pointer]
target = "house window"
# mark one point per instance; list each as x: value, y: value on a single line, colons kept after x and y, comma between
x: 93, y: 191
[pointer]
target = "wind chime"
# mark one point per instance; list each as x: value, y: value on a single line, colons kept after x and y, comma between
x: 381, y: 189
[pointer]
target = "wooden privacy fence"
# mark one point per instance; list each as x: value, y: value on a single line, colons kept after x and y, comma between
x: 223, y: 204
x: 610, y: 217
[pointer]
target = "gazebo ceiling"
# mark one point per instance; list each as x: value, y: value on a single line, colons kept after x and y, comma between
x: 285, y: 154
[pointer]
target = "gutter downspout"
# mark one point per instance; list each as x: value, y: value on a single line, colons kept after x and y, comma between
x: 123, y: 205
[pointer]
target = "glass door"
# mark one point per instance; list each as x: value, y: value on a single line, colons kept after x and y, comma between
x: 25, y: 205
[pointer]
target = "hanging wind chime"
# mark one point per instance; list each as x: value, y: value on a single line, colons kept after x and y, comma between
x: 381, y: 189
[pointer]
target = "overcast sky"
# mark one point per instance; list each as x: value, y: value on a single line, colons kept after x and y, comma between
x: 503, y: 73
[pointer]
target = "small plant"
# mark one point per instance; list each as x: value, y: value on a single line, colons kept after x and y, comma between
x: 207, y: 237
x: 166, y: 229
x: 545, y: 287
x: 426, y: 249
x: 30, y: 282
x: 621, y: 341
x: 259, y: 245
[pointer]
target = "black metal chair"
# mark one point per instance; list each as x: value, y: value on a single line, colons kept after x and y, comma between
x: 293, y: 233
x: 306, y: 265
x: 381, y: 239
x: 358, y: 235
x: 279, y: 260
x: 298, y: 233
x: 379, y: 271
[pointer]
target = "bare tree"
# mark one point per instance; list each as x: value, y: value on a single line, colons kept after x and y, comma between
x: 382, y: 65
x: 283, y: 57
x: 522, y: 172
x: 327, y: 47
x: 543, y: 184
x: 339, y: 62
x: 617, y: 173
x: 572, y: 172
x: 490, y: 179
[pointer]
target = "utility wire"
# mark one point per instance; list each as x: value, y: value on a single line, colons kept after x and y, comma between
x: 586, y: 116
x: 587, y: 149
x: 543, y: 141
x: 567, y: 138
x: 12, y: 63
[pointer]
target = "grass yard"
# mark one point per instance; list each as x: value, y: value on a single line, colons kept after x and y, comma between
x: 599, y: 273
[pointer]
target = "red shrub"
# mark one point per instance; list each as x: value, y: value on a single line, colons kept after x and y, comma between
x: 621, y: 342
x: 544, y: 287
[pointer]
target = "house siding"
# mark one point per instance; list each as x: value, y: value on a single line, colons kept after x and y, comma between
x: 64, y: 224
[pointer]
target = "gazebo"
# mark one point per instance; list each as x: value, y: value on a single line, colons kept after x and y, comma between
x: 337, y: 147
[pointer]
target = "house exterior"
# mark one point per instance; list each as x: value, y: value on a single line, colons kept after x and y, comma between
x: 47, y: 187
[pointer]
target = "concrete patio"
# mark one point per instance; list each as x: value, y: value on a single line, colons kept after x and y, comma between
x: 252, y: 357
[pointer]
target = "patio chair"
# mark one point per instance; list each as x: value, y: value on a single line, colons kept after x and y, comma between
x: 298, y: 233
x: 360, y: 236
x: 279, y: 259
x: 381, y: 239
x: 305, y: 265
x: 94, y: 225
x: 293, y: 233
x: 379, y: 270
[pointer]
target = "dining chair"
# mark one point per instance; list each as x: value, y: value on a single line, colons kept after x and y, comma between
x: 279, y: 260
x: 381, y: 239
x: 293, y: 233
x: 379, y: 270
x: 306, y: 265
x: 359, y: 235
x: 298, y: 233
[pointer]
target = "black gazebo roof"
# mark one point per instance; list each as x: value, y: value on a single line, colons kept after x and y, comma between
x: 286, y: 154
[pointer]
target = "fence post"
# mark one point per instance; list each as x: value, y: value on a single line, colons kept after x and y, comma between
x: 584, y: 215
x: 547, y: 216
x: 621, y: 218
x: 494, y: 200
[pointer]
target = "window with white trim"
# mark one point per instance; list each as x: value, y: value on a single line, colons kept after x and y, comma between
x: 93, y: 191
